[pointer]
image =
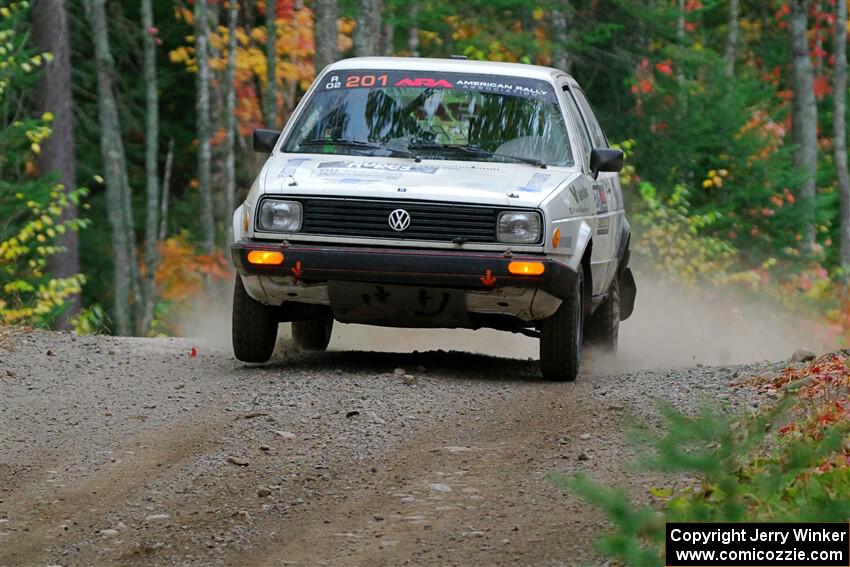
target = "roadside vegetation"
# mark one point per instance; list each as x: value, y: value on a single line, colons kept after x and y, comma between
x: 787, y: 462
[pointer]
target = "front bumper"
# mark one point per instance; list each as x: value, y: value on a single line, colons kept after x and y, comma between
x: 479, y: 271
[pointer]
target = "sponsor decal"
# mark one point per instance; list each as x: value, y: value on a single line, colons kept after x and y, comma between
x: 578, y: 194
x: 496, y: 84
x: 424, y: 82
x: 508, y: 88
x: 378, y: 166
x: 601, y: 198
x: 291, y: 166
x: 603, y: 226
x: 536, y: 182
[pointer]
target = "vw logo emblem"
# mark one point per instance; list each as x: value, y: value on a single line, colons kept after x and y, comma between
x: 399, y: 220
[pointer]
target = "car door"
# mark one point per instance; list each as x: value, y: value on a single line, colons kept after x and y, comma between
x: 609, y: 201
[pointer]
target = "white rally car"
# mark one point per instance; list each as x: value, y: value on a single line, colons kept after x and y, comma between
x: 436, y: 193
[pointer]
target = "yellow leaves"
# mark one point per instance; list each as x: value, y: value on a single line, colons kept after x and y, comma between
x: 242, y: 38
x: 346, y: 26
x: 181, y: 54
x: 258, y: 35
x: 714, y: 178
x: 47, y: 117
x: 36, y: 148
x: 185, y: 14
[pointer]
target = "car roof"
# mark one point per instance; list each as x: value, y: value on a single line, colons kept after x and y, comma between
x: 450, y: 66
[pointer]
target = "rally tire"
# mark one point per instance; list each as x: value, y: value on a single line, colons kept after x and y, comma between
x: 313, y: 334
x: 254, y: 327
x: 561, y: 337
x: 603, y: 327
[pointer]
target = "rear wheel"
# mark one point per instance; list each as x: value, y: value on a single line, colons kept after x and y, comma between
x: 603, y: 327
x: 313, y: 334
x: 561, y: 337
x: 254, y: 326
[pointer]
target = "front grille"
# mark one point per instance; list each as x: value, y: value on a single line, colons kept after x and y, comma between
x: 442, y: 222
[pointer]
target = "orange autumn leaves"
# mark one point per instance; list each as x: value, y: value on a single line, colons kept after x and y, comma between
x: 295, y: 47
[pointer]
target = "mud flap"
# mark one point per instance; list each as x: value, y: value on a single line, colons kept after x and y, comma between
x: 397, y: 306
x: 628, y: 292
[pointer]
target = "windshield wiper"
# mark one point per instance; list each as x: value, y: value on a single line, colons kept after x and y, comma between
x: 357, y: 144
x: 474, y: 150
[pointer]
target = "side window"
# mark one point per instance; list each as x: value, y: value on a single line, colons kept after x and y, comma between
x: 596, y: 133
x: 584, y: 136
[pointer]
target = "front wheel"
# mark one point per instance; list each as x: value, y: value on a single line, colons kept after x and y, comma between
x: 313, y: 334
x: 254, y: 326
x: 561, y: 337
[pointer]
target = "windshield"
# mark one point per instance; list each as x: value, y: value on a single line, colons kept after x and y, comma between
x: 433, y: 116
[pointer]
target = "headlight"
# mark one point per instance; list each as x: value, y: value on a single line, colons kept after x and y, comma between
x: 519, y: 226
x: 279, y: 216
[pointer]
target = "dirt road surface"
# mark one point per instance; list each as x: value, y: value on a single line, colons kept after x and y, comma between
x: 134, y: 452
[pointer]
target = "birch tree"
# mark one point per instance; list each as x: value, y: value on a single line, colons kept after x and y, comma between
x: 367, y: 34
x: 805, y: 119
x: 731, y: 52
x: 151, y: 166
x: 839, y: 117
x: 561, y: 19
x: 413, y: 32
x: 230, y: 140
x: 115, y: 173
x: 270, y: 106
x: 203, y: 124
x: 53, y: 95
x: 326, y: 34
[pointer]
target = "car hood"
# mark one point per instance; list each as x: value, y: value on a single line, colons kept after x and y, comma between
x: 513, y: 184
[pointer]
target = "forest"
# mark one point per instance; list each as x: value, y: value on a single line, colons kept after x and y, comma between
x: 125, y: 135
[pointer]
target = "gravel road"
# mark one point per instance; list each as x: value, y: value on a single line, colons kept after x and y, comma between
x: 119, y: 451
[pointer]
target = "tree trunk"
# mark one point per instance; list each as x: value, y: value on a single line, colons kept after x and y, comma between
x: 839, y: 117
x: 387, y: 40
x: 203, y: 110
x: 805, y: 116
x: 151, y: 167
x: 326, y: 34
x: 230, y: 158
x: 115, y: 170
x: 270, y: 106
x: 166, y: 187
x: 731, y: 52
x: 50, y: 33
x: 367, y: 34
x: 561, y: 19
x: 413, y: 32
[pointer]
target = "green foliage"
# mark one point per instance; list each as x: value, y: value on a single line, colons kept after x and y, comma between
x: 674, y: 237
x: 747, y: 473
x: 32, y: 207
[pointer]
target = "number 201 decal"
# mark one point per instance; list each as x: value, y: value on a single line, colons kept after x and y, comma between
x: 356, y: 81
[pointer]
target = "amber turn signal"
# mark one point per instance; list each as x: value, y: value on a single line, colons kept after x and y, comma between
x: 556, y: 238
x: 526, y: 268
x: 265, y: 257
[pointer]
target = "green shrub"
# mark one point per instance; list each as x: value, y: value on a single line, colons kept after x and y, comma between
x: 747, y: 470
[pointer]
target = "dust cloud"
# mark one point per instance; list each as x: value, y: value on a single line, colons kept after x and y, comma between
x: 670, y: 327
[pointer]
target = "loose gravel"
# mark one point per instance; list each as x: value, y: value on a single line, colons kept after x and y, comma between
x: 117, y: 451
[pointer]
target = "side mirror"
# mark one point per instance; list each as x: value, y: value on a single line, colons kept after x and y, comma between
x: 264, y: 140
x: 606, y: 160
